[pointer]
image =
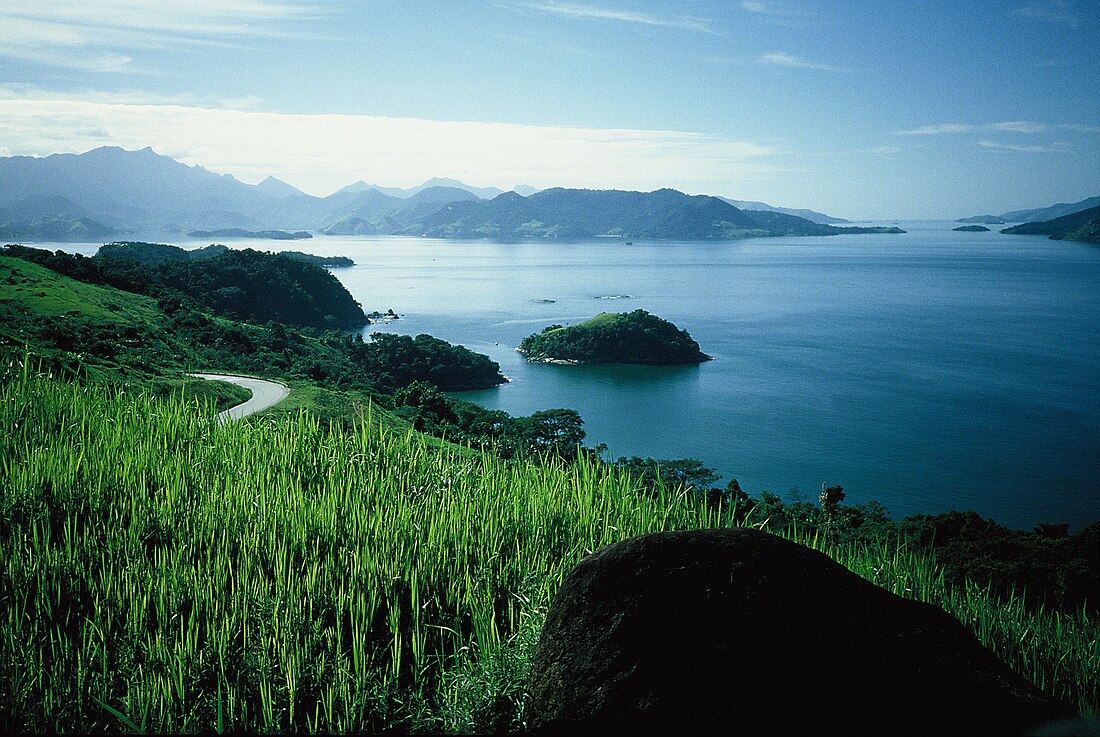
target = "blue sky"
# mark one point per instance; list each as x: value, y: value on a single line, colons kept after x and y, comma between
x: 863, y: 110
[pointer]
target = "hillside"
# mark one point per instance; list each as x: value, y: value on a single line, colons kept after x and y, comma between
x: 1061, y: 227
x: 238, y: 578
x: 114, y: 332
x: 632, y: 337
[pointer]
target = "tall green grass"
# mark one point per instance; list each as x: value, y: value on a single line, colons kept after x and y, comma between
x: 160, y: 572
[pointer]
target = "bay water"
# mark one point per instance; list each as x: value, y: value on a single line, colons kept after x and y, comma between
x: 930, y: 371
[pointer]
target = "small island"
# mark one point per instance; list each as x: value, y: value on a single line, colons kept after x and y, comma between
x: 982, y: 220
x: 271, y: 235
x: 972, y: 229
x: 630, y: 337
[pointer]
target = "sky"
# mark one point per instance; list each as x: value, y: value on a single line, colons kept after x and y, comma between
x: 864, y: 110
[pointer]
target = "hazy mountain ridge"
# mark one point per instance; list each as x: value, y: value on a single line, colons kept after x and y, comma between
x: 111, y: 193
x: 811, y: 215
x: 1035, y: 214
x: 583, y: 213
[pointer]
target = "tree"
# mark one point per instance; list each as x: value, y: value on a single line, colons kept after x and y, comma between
x: 556, y: 431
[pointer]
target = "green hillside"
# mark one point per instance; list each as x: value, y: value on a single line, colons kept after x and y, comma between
x: 163, y: 573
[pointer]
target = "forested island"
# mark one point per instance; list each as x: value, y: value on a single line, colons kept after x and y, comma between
x: 631, y: 337
x: 971, y: 229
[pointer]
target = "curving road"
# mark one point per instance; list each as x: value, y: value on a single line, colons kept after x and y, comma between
x: 264, y: 394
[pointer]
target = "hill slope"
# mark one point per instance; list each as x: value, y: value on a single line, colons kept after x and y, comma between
x: 1061, y: 227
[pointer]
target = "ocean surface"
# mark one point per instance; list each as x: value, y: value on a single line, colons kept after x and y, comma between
x: 930, y: 371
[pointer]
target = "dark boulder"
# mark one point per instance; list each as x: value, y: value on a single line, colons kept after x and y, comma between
x: 741, y: 632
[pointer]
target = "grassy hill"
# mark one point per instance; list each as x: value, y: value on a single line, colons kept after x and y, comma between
x: 164, y: 573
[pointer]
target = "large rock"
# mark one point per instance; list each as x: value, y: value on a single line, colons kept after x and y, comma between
x: 742, y: 632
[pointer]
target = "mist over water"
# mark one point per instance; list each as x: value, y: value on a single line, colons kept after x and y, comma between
x: 931, y: 371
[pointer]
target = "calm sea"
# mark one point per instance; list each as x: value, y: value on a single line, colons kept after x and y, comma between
x: 929, y: 371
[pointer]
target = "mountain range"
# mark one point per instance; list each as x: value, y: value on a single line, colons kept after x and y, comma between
x: 1036, y: 214
x: 110, y: 192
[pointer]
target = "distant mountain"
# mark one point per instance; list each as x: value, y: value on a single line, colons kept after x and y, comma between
x: 113, y: 194
x: 279, y: 188
x: 1041, y: 214
x: 582, y: 213
x: 138, y: 191
x: 1080, y: 225
x: 810, y: 215
x: 484, y: 193
x: 983, y: 220
x: 384, y: 216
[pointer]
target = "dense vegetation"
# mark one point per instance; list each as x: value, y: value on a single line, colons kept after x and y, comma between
x: 971, y: 229
x: 630, y: 337
x: 148, y: 254
x: 242, y: 285
x: 157, y: 253
x: 163, y: 573
x: 396, y: 361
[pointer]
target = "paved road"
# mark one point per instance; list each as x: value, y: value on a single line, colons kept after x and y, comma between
x: 264, y: 394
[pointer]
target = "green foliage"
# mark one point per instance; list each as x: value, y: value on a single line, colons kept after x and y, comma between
x: 147, y: 254
x: 632, y: 337
x: 262, y: 287
x: 398, y: 360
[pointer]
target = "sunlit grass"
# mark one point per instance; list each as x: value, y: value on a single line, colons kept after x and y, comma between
x: 160, y: 572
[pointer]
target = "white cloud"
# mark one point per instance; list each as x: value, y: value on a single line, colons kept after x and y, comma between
x: 1050, y: 11
x: 320, y: 153
x: 1019, y: 126
x: 1056, y: 148
x: 577, y: 10
x: 103, y: 36
x: 1012, y: 126
x: 783, y: 13
x: 782, y: 59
